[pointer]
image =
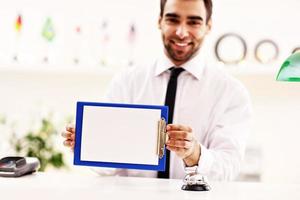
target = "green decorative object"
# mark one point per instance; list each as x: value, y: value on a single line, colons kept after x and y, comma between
x: 290, y: 69
x: 40, y: 144
x: 48, y: 30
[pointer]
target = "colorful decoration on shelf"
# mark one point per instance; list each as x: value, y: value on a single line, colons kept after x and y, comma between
x: 266, y: 51
x: 48, y: 33
x: 78, y: 32
x: 231, y: 49
x: 132, y: 33
x: 18, y: 29
x: 131, y: 42
x: 104, y: 28
x: 48, y: 30
x: 18, y: 24
x: 104, y: 38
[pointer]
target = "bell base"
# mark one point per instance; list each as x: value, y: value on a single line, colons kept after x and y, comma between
x: 195, y: 187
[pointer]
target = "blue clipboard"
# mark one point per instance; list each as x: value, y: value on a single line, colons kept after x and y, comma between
x: 118, y: 135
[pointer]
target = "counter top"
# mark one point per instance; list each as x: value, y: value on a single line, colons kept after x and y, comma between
x: 77, y: 186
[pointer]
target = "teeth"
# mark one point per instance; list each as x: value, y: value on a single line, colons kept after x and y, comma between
x: 181, y: 44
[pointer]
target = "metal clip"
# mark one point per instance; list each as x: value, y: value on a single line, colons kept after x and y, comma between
x: 162, y: 137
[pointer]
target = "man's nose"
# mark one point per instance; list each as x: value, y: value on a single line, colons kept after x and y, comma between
x: 182, y: 31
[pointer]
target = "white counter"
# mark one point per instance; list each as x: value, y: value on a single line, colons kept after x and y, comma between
x: 54, y: 186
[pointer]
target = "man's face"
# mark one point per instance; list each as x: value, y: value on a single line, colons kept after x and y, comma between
x: 183, y: 27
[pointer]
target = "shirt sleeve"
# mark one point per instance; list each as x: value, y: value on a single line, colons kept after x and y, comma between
x: 221, y: 158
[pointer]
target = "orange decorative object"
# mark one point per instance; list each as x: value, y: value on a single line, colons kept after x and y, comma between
x: 18, y: 24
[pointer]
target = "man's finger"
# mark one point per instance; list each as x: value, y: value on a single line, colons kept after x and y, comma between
x: 179, y: 144
x: 68, y: 135
x: 178, y: 127
x: 180, y: 135
x: 68, y: 143
x: 176, y: 149
x: 70, y: 127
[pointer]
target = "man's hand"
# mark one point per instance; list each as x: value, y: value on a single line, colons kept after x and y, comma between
x: 69, y: 136
x: 183, y: 142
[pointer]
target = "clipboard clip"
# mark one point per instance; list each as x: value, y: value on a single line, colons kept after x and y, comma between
x: 162, y: 137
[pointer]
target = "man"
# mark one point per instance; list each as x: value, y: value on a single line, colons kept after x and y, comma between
x: 211, y: 109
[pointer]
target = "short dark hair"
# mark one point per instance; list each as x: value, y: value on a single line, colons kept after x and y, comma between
x: 208, y: 6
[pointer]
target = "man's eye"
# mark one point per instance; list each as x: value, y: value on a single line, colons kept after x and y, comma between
x: 194, y: 23
x: 171, y: 20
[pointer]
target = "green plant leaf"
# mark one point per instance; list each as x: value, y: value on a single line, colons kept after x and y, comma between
x: 40, y: 144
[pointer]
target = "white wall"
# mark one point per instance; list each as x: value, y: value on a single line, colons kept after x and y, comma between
x: 276, y: 126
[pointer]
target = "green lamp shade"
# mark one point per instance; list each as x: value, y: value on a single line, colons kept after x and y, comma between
x: 290, y: 69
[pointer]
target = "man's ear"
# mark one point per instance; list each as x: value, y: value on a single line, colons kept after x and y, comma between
x: 159, y: 22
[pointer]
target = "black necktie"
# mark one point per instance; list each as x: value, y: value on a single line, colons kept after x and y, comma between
x: 170, y: 102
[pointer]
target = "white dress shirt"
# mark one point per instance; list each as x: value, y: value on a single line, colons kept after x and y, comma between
x: 215, y: 105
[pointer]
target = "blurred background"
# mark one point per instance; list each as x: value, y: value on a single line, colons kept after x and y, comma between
x: 54, y: 53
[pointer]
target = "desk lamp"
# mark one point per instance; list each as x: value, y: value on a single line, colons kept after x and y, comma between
x: 290, y: 69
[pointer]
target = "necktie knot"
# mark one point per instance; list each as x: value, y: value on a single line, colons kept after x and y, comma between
x: 175, y: 71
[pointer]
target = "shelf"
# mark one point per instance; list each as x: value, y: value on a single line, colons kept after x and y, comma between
x: 236, y: 70
x: 55, y: 70
x: 252, y: 69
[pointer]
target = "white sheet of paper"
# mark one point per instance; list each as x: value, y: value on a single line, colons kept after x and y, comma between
x: 120, y: 135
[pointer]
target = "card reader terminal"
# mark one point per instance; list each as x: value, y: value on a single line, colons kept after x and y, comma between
x: 15, y: 166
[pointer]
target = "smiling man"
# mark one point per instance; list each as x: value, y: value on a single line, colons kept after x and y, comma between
x: 209, y: 111
x: 184, y: 25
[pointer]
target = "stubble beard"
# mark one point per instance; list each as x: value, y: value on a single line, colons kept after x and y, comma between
x: 173, y: 54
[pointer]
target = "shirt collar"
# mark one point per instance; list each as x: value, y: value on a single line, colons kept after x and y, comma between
x: 195, y: 66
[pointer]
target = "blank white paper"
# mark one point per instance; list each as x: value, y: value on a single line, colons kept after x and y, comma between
x: 120, y: 135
